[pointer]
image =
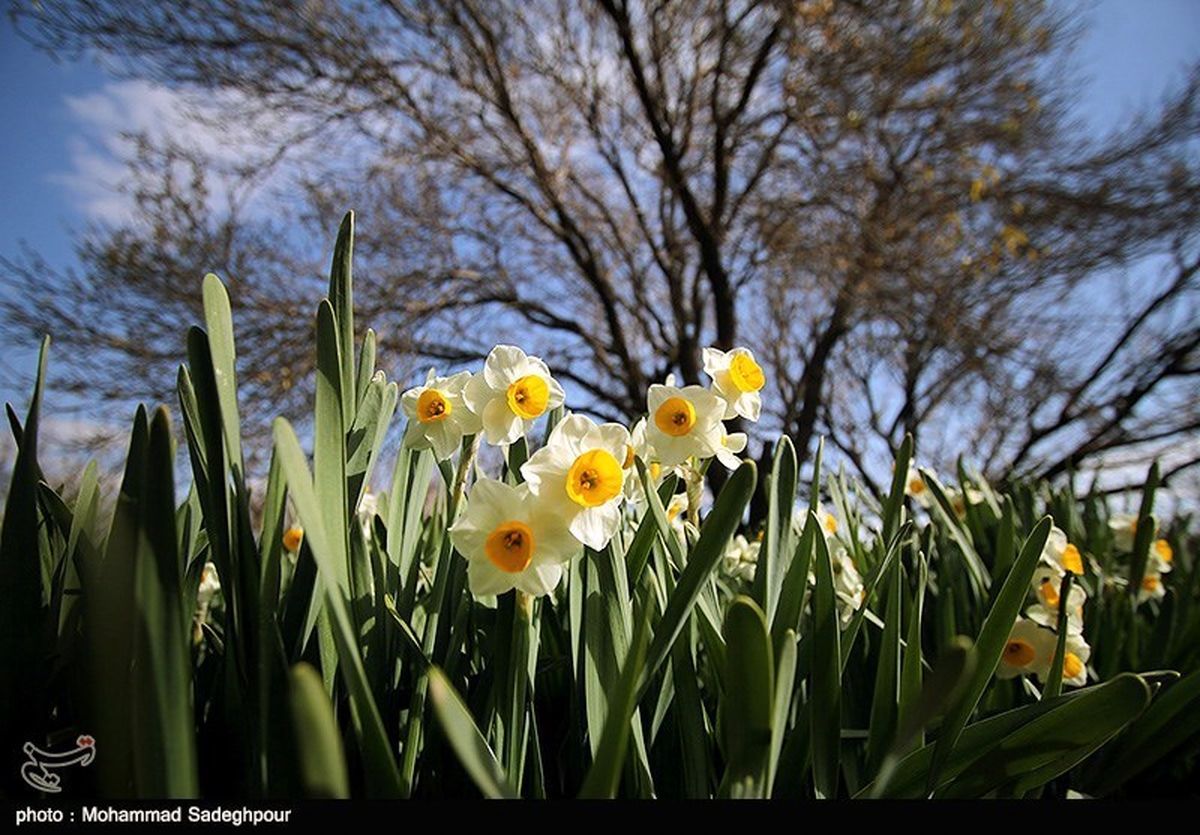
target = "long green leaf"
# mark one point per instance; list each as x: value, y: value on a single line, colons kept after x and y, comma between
x: 885, y: 704
x: 23, y: 608
x: 383, y: 778
x: 718, y: 529
x: 893, y: 506
x: 318, y: 741
x: 1051, y: 744
x: 746, y: 713
x: 465, y: 738
x: 341, y: 299
x: 990, y: 644
x: 1170, y: 721
x: 781, y: 497
x: 605, y: 773
x: 825, y: 681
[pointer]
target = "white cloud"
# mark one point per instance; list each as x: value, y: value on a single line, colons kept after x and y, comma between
x: 107, y: 121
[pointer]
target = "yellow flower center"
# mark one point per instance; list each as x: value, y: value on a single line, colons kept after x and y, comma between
x: 1071, y: 559
x: 675, y: 417
x: 916, y: 486
x: 510, y: 546
x: 830, y: 524
x: 1150, y: 583
x: 629, y: 456
x: 594, y: 478
x: 292, y: 538
x: 745, y: 373
x: 1050, y: 594
x: 1018, y: 653
x: 432, y: 405
x: 1072, y: 666
x: 655, y: 470
x: 1163, y: 548
x: 529, y: 396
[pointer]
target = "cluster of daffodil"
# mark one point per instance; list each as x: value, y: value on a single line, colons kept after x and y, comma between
x: 916, y: 488
x: 575, y: 487
x: 741, y: 562
x: 1124, y: 529
x: 1033, y: 641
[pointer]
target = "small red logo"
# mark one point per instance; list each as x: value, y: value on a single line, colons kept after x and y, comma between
x: 85, y: 741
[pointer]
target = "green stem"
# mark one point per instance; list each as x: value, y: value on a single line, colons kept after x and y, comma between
x: 518, y: 687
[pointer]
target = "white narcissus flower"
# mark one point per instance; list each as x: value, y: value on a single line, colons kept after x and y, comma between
x: 579, y: 475
x: 829, y: 522
x: 733, y: 444
x: 639, y: 447
x: 511, y: 393
x: 741, y: 557
x: 914, y: 486
x: 1162, y: 555
x: 1124, y: 529
x: 210, y: 584
x: 1029, y: 649
x: 1076, y: 653
x: 368, y: 506
x: 677, y: 515
x: 738, y: 378
x: 960, y: 499
x: 1152, y: 586
x: 1061, y: 553
x: 438, y: 416
x: 1047, y: 585
x: 511, y: 541
x: 684, y: 422
x: 847, y: 584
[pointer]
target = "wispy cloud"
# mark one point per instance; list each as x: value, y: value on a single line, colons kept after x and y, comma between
x: 108, y: 121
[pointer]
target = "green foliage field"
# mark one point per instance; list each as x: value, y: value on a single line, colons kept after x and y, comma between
x: 676, y: 661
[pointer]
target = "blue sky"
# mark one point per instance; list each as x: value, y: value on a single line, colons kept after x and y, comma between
x: 59, y: 118
x: 60, y: 135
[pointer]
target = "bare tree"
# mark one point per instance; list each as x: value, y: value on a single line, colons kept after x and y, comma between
x: 886, y: 200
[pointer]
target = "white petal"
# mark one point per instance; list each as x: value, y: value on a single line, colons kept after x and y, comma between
x: 443, y: 440
x: 408, y: 401
x: 749, y: 405
x: 570, y: 434
x: 656, y: 396
x: 503, y: 365
x: 546, y: 470
x: 539, y: 579
x: 477, y: 393
x: 715, y: 361
x: 728, y: 395
x: 499, y: 422
x: 485, y: 579
x: 557, y: 395
x: 728, y: 458
x: 615, y: 438
x: 595, y: 526
x: 455, y: 383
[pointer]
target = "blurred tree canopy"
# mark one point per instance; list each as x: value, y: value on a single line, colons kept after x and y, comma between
x: 888, y: 201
